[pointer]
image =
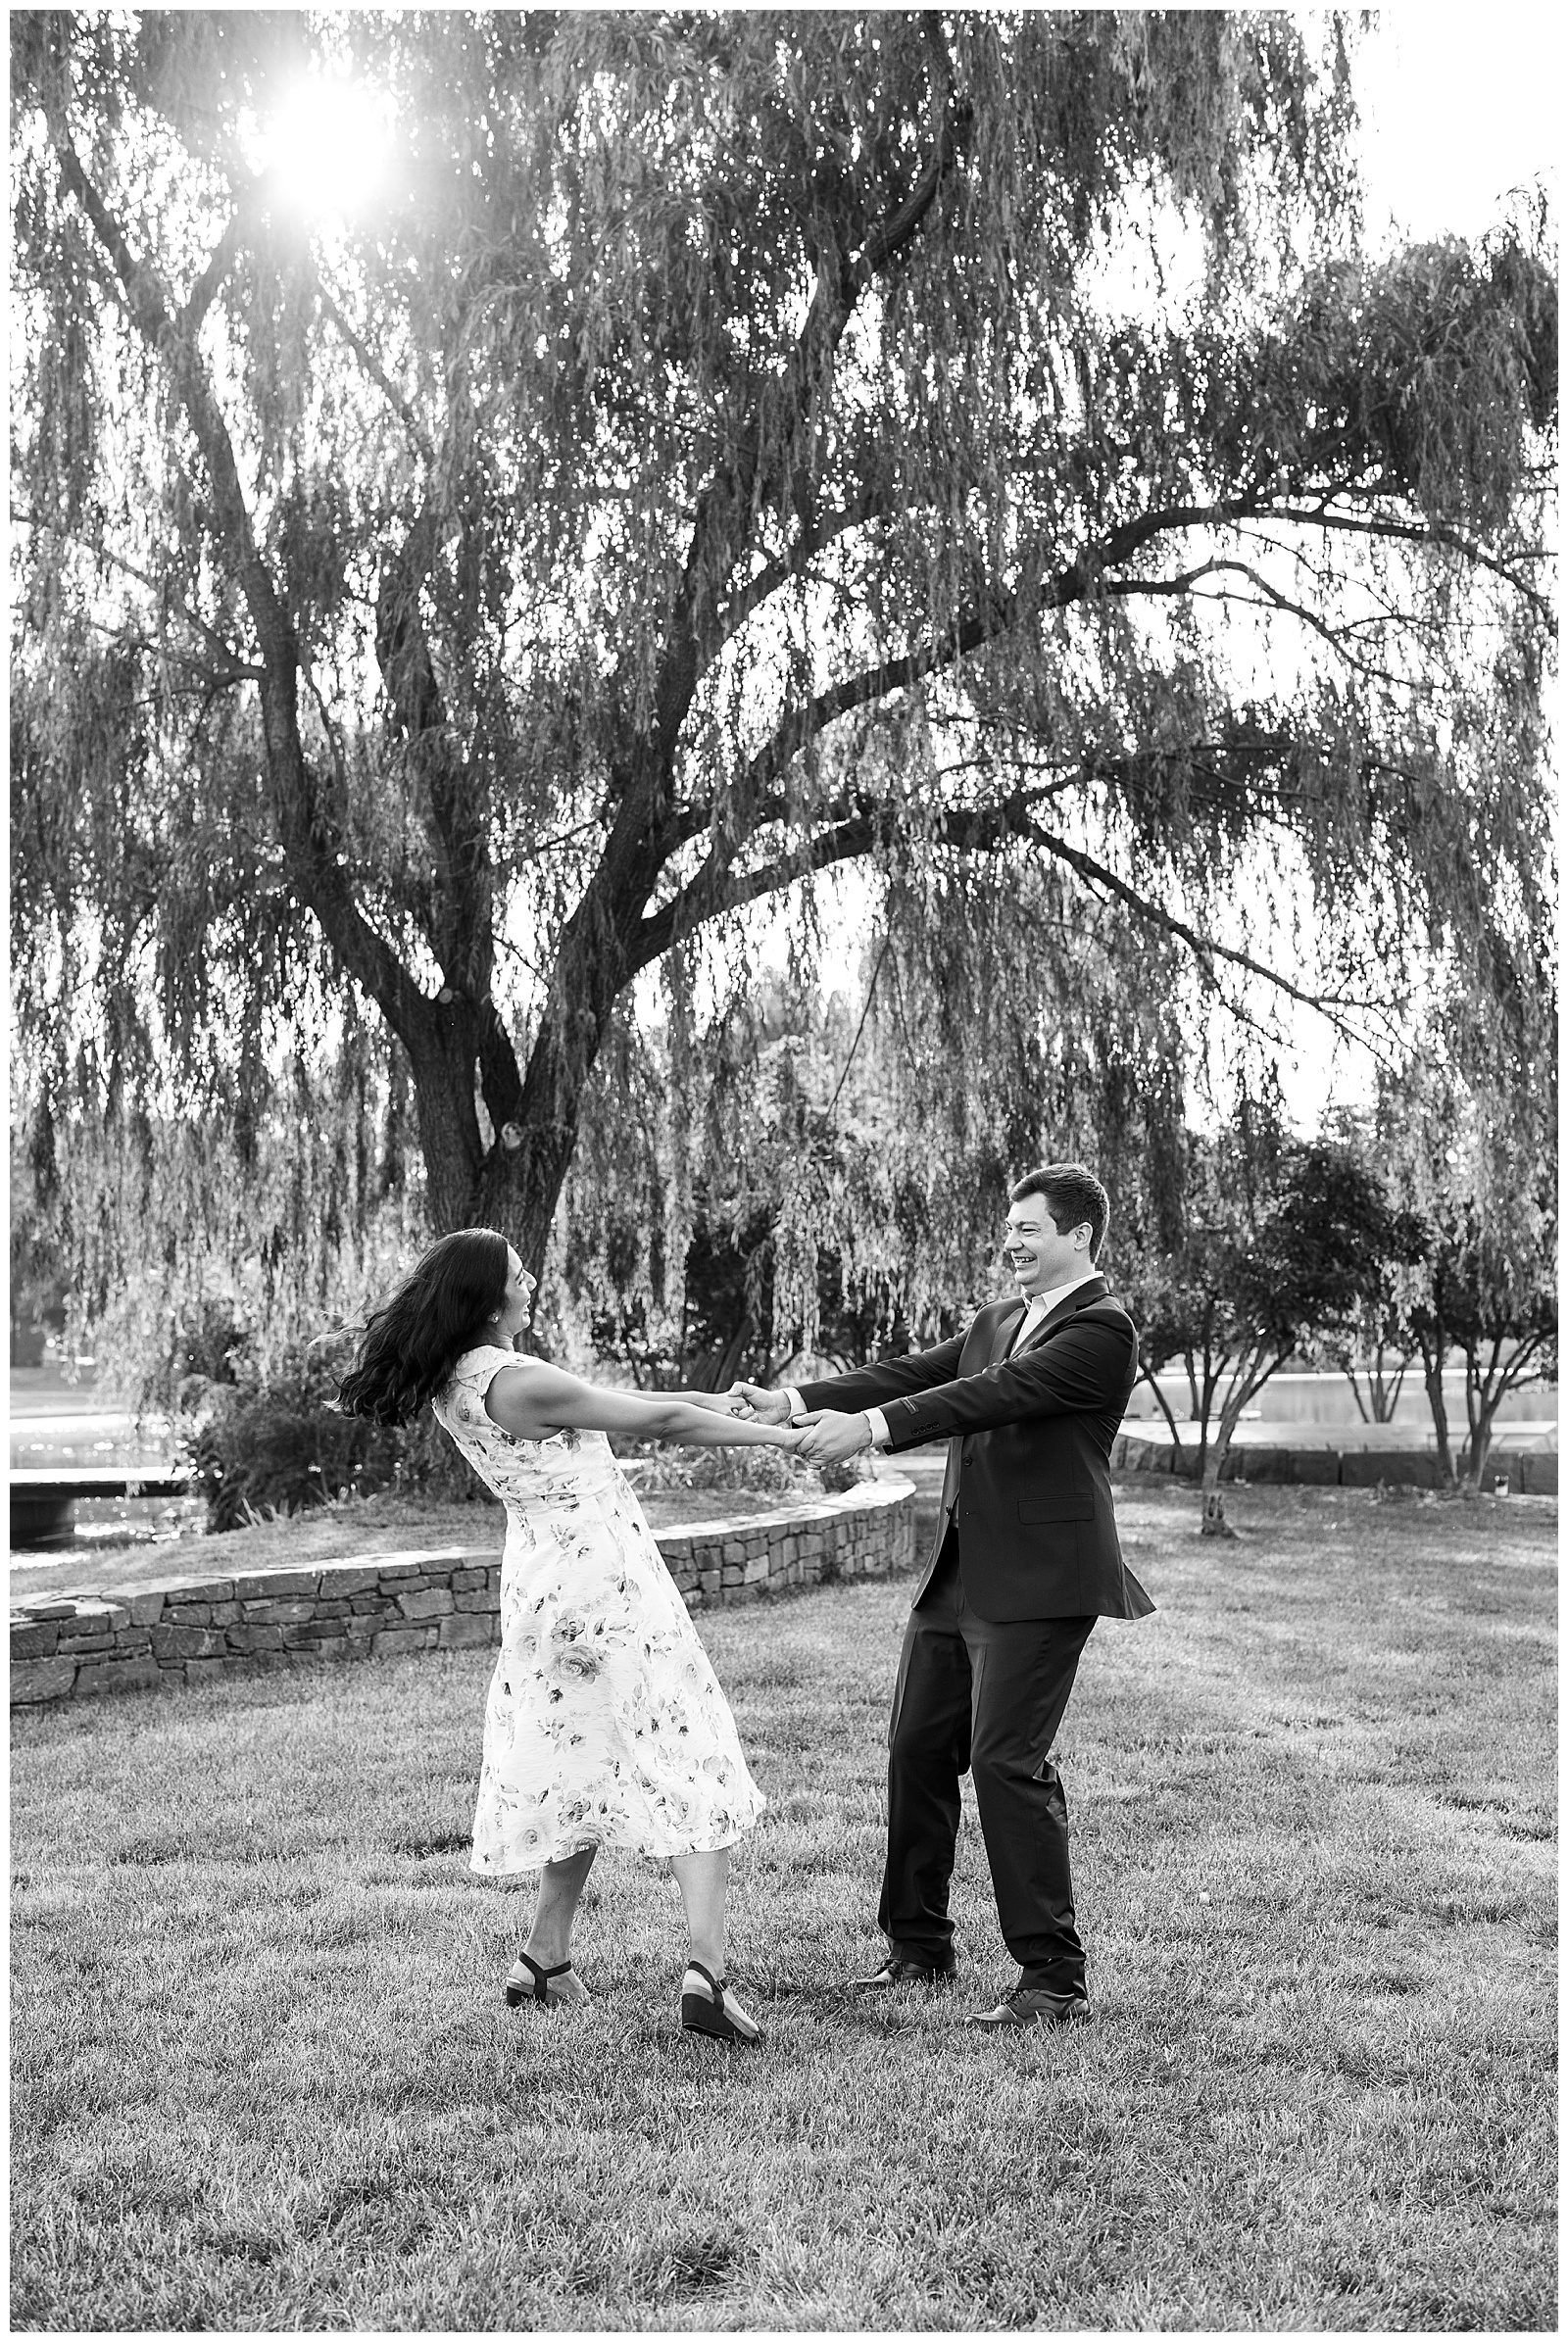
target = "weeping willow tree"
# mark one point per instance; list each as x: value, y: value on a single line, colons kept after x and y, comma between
x: 726, y: 447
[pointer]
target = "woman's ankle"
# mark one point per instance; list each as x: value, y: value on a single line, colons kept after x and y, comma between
x: 547, y: 1955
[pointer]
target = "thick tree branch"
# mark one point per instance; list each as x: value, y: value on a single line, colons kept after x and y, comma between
x: 794, y: 562
x: 1204, y: 948
x: 716, y: 890
x: 205, y: 291
x: 986, y: 620
x: 989, y: 620
x: 646, y: 830
x: 303, y: 828
x: 464, y: 896
x: 758, y: 472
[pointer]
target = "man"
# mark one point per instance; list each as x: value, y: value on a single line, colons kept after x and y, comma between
x: 1024, y: 1560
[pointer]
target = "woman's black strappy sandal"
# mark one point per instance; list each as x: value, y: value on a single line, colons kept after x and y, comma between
x: 701, y: 2015
x: 519, y: 1990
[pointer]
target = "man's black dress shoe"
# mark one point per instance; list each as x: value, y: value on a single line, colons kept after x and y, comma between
x: 1027, y: 2007
x: 898, y: 1968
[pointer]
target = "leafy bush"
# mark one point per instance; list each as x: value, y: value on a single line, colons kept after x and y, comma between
x: 281, y: 1447
x: 762, y: 1471
x: 429, y: 1465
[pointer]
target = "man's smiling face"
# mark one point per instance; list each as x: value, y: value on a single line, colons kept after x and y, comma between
x: 1039, y: 1253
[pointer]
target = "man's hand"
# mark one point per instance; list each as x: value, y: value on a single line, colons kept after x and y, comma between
x: 833, y: 1439
x: 768, y: 1406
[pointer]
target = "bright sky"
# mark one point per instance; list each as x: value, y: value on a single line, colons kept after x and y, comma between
x: 1460, y: 106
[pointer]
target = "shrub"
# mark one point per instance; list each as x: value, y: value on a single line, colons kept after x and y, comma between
x: 428, y: 1465
x: 762, y: 1471
x: 280, y: 1448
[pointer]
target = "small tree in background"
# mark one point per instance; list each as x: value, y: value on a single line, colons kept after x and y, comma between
x: 1375, y: 1349
x: 1488, y: 1292
x: 1280, y: 1241
x: 1372, y: 1358
x: 1478, y: 1162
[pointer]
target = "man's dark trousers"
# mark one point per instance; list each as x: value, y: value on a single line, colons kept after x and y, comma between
x: 987, y: 1699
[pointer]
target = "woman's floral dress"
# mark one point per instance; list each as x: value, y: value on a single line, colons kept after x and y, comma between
x: 605, y: 1724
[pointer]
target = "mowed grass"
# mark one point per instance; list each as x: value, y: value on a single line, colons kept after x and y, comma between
x: 264, y: 2077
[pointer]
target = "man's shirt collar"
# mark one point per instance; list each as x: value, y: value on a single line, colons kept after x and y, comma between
x: 1043, y: 1303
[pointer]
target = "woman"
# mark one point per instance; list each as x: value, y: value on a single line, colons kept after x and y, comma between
x: 604, y: 1724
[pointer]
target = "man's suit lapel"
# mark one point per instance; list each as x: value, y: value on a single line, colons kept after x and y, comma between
x: 1003, y: 1331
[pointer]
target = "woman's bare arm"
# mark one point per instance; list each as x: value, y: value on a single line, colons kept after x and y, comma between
x: 535, y: 1401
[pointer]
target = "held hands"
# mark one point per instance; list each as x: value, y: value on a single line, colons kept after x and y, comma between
x: 717, y: 1402
x: 762, y: 1406
x: 822, y: 1438
x: 738, y: 1409
x: 833, y: 1439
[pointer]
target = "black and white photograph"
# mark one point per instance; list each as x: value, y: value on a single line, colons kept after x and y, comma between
x: 783, y: 1171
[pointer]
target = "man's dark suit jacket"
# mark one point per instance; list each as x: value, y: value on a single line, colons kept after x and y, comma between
x: 1029, y: 1445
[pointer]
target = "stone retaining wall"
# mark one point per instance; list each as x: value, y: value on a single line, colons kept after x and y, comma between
x: 189, y: 1629
x: 1529, y: 1471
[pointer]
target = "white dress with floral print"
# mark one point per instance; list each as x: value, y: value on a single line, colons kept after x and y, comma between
x: 605, y: 1724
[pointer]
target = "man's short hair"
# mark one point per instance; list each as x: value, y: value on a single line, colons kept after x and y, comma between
x: 1073, y: 1194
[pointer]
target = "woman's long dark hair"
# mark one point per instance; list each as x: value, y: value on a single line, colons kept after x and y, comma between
x: 413, y: 1342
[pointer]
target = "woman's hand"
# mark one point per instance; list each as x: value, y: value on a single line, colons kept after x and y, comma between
x: 717, y: 1402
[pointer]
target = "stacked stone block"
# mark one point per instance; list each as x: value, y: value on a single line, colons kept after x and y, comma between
x: 190, y: 1630
x: 1529, y: 1471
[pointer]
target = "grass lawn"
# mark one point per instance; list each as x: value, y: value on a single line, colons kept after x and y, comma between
x: 264, y: 2077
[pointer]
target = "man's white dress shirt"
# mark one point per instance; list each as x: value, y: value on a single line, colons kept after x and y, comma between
x: 1040, y: 1307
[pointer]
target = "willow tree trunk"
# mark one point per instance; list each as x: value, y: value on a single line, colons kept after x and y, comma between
x: 518, y: 1183
x: 441, y: 1077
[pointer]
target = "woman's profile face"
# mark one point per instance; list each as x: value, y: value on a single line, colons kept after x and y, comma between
x: 516, y: 1305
